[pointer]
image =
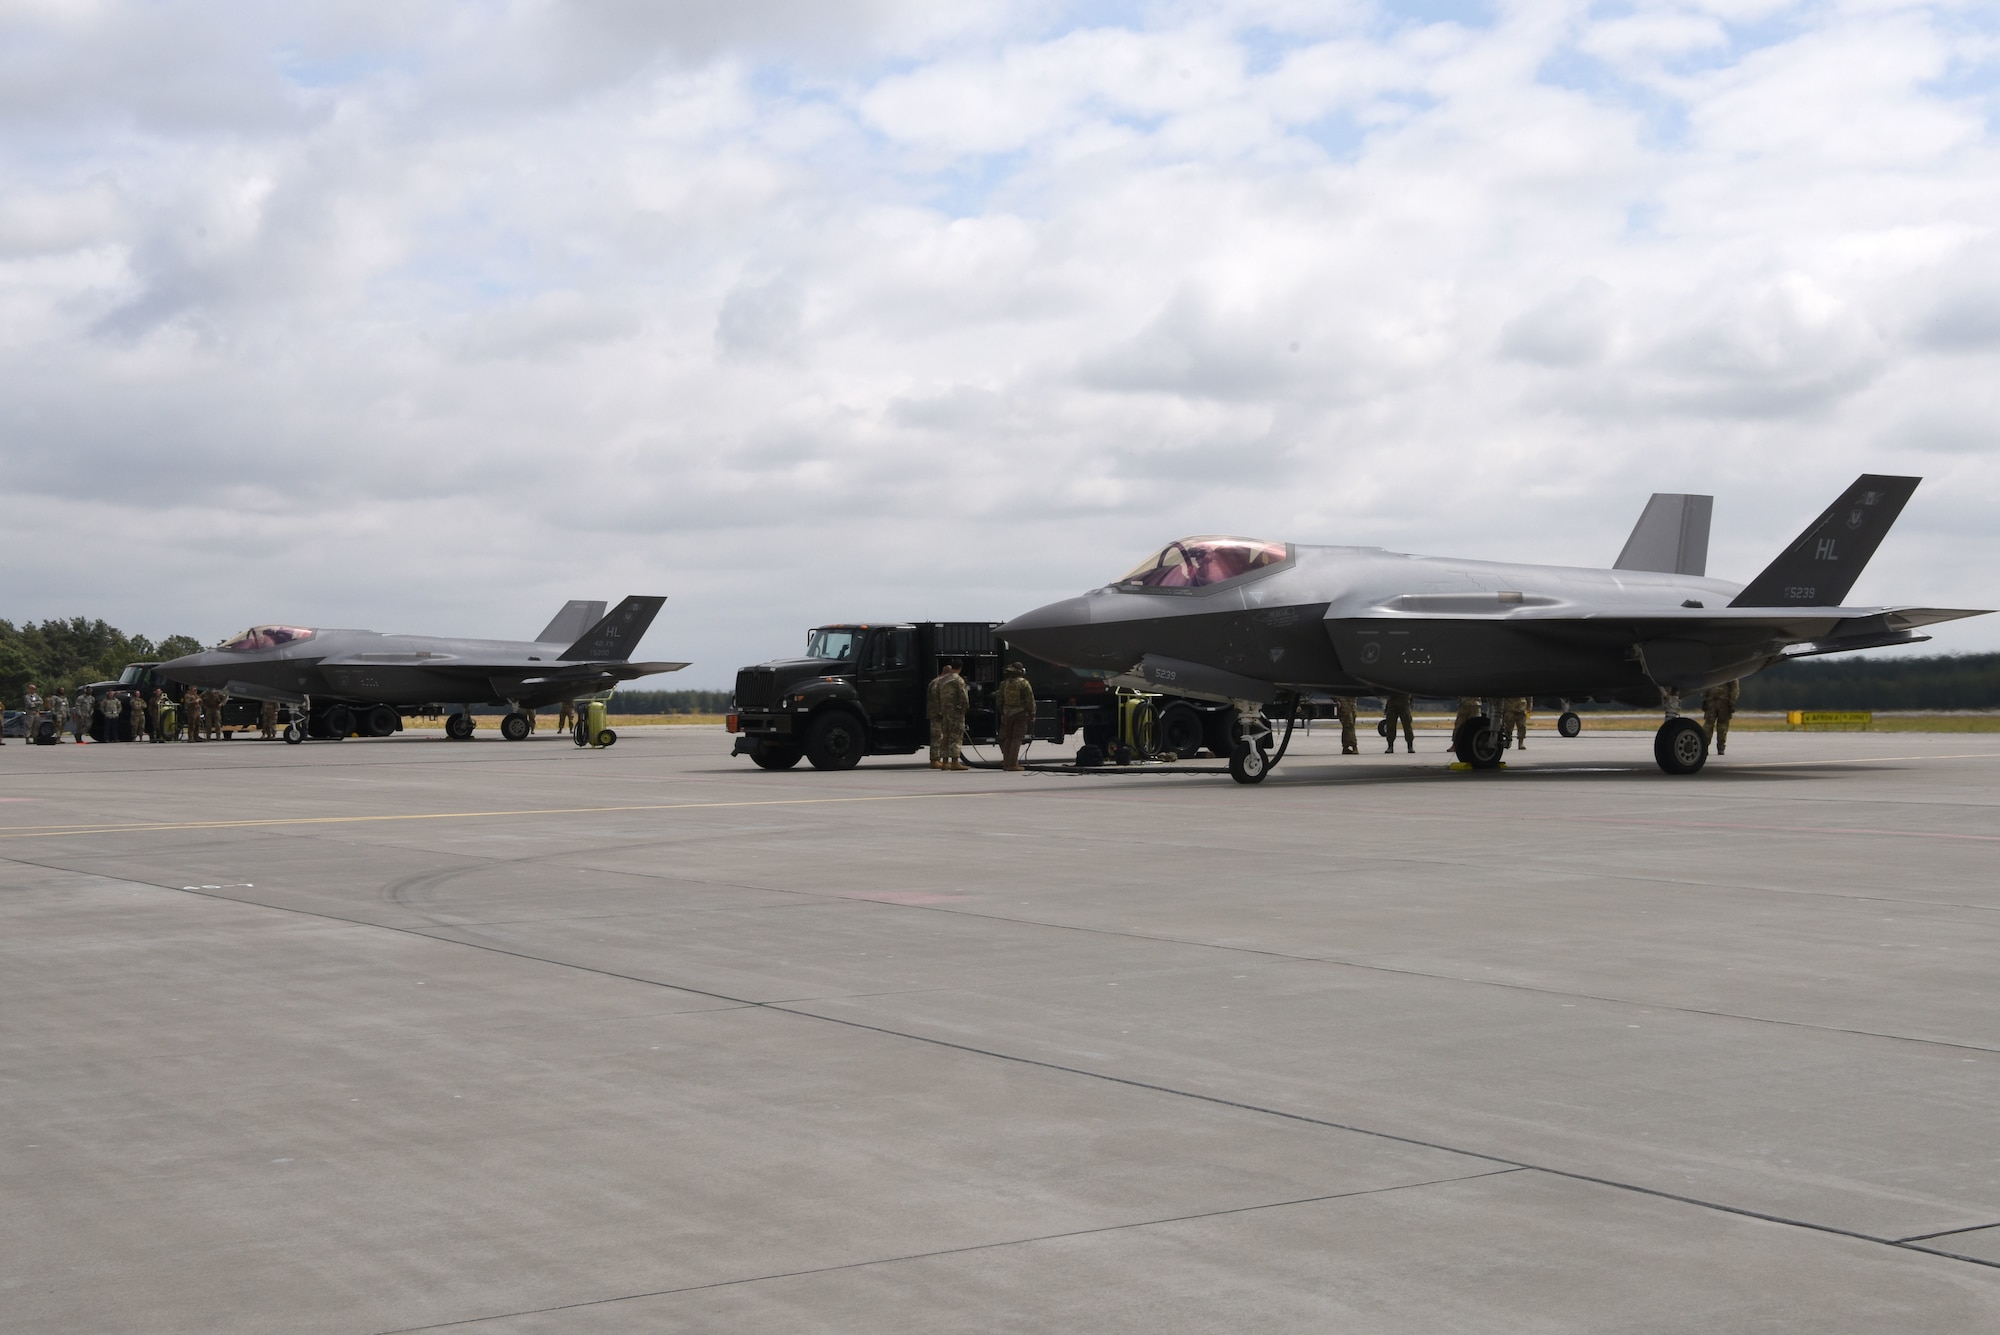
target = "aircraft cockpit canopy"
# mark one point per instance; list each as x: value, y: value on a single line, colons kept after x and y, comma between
x: 266, y: 637
x: 1194, y: 563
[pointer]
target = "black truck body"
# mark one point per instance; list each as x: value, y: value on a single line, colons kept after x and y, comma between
x: 861, y: 689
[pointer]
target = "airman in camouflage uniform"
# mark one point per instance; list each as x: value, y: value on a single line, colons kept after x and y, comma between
x: 1344, y: 707
x: 191, y: 714
x: 212, y: 701
x: 566, y: 719
x: 1514, y: 711
x: 112, y: 711
x: 1718, y: 705
x: 1017, y: 714
x: 950, y: 698
x: 267, y: 720
x: 1396, y: 708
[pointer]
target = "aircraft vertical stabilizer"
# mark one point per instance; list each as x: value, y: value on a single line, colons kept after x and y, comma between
x: 617, y: 635
x: 578, y: 615
x: 1823, y: 562
x: 1671, y: 536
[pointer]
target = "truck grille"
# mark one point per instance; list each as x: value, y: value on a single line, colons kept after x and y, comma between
x: 757, y: 688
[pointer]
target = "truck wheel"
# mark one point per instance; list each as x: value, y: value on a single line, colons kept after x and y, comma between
x: 1180, y: 730
x: 776, y: 757
x: 339, y: 722
x: 835, y: 740
x: 1569, y: 725
x: 382, y: 721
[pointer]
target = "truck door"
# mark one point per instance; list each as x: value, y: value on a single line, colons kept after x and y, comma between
x: 890, y: 686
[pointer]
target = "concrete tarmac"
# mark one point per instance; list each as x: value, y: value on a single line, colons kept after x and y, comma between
x: 409, y: 1034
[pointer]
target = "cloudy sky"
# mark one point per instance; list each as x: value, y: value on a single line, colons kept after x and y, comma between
x: 431, y: 315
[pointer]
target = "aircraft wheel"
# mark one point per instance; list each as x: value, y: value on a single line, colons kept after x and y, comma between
x: 339, y: 722
x: 294, y: 734
x: 1180, y: 730
x: 1680, y: 746
x: 607, y: 737
x: 776, y: 757
x: 1477, y: 744
x: 382, y: 721
x: 458, y: 727
x: 1569, y: 725
x: 835, y: 740
x: 514, y: 727
x: 1089, y: 756
x: 1248, y: 764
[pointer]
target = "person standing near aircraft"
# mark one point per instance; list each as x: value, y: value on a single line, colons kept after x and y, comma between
x: 1395, y: 709
x: 1718, y: 706
x: 566, y: 718
x: 1514, y: 711
x: 1017, y: 714
x: 79, y: 714
x: 191, y: 713
x: 31, y: 705
x: 212, y: 702
x: 112, y: 713
x: 950, y: 699
x: 267, y: 720
x: 1345, y: 708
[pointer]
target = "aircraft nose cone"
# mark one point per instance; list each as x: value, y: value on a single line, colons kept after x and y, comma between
x: 1058, y: 632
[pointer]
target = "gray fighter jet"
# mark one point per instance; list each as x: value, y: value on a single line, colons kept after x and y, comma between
x: 1263, y: 624
x: 347, y: 681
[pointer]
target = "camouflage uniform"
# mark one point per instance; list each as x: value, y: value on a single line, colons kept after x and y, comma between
x: 566, y: 720
x: 1344, y: 707
x: 31, y: 707
x: 1514, y: 711
x: 1017, y: 714
x: 267, y: 719
x: 1468, y: 708
x: 135, y: 716
x: 1718, y: 704
x: 112, y: 711
x: 191, y: 714
x: 79, y: 715
x: 1396, y: 708
x: 211, y: 712
x: 931, y: 713
x: 953, y: 697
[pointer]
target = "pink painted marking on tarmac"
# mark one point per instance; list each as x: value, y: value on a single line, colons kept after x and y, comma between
x: 1781, y: 829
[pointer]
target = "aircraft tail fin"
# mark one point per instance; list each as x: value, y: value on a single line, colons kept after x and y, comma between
x: 1670, y: 537
x: 1822, y: 563
x: 578, y: 615
x: 615, y: 636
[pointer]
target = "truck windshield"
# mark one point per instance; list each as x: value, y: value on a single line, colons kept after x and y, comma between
x: 1193, y: 563
x: 834, y: 644
x: 132, y: 675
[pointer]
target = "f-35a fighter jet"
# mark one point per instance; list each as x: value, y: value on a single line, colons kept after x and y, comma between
x: 1261, y: 624
x: 347, y: 681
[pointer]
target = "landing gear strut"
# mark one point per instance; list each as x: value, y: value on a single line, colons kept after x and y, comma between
x: 1249, y: 758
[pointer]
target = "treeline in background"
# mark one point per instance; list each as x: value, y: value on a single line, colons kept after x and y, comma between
x: 1955, y: 681
x: 67, y: 654
x: 669, y: 702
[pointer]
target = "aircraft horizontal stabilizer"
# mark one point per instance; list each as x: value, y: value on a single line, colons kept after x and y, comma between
x: 1821, y: 565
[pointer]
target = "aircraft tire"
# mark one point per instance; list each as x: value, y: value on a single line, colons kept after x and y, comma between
x: 776, y: 757
x: 382, y: 721
x: 1477, y: 744
x: 1569, y: 725
x: 1248, y: 764
x: 514, y: 727
x: 1680, y: 746
x: 294, y: 734
x: 1179, y: 730
x: 458, y: 727
x: 339, y: 722
x: 835, y: 740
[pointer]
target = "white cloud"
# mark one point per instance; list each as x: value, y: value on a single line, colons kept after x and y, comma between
x: 441, y: 314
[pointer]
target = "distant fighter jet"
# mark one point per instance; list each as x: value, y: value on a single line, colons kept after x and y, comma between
x: 359, y: 681
x: 1261, y: 624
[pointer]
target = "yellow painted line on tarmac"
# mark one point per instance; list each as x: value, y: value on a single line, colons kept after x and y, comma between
x: 59, y: 831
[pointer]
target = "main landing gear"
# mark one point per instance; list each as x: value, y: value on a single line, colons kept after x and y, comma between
x: 1478, y: 742
x: 1680, y: 746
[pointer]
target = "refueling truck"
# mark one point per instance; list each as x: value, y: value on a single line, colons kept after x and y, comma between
x: 860, y: 690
